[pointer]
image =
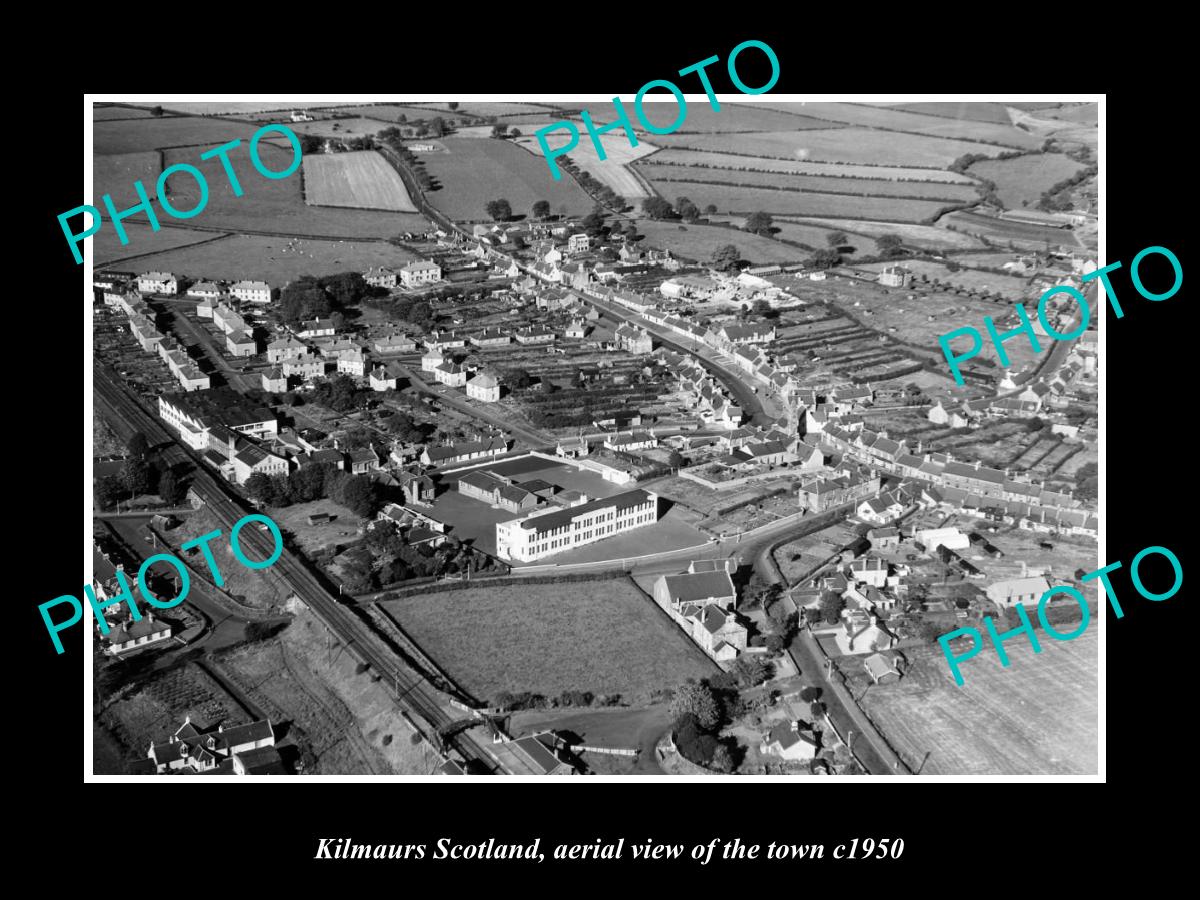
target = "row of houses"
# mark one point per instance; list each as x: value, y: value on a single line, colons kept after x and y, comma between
x: 143, y: 328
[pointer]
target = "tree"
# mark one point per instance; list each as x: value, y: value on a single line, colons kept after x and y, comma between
x: 836, y: 239
x: 929, y: 632
x: 170, y: 488
x: 402, y: 426
x: 832, y: 605
x: 499, y: 131
x: 688, y: 211
x: 824, y: 259
x: 759, y: 223
x: 726, y: 259
x: 138, y: 445
x: 809, y: 694
x: 453, y: 106
x: 137, y: 476
x: 541, y: 209
x: 518, y: 379
x: 722, y: 759
x: 156, y: 111
x: 657, y: 208
x: 696, y: 699
x: 499, y: 210
x: 515, y: 131
x: 765, y: 310
x: 889, y: 246
x: 751, y: 670
x: 593, y: 222
x: 710, y: 210
x: 359, y: 494
x: 109, y: 490
x: 1087, y: 484
x: 420, y: 313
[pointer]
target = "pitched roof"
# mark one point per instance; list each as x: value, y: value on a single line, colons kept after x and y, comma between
x: 694, y: 587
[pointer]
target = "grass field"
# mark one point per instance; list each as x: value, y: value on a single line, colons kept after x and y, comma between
x: 232, y: 108
x: 475, y: 171
x: 137, y: 136
x: 600, y: 636
x: 611, y: 171
x: 812, y: 235
x: 699, y: 241
x: 115, y: 174
x: 276, y: 260
x: 999, y: 229
x: 676, y: 156
x: 1013, y: 287
x: 928, y: 236
x: 102, y: 113
x: 730, y: 199
x: 108, y: 251
x: 1036, y: 717
x: 732, y: 117
x: 1021, y: 181
x: 849, y: 145
x: 363, y: 179
x: 950, y: 193
x: 901, y: 121
x: 356, y: 127
x: 977, y: 112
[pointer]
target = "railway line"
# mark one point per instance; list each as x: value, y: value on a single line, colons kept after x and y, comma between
x: 414, y: 694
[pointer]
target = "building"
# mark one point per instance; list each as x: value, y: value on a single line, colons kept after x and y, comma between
x: 190, y: 750
x: 363, y: 461
x: 285, y: 348
x: 306, y: 366
x: 384, y: 378
x: 1026, y: 591
x: 317, y: 328
x: 541, y: 754
x: 251, y: 291
x: 787, y: 741
x: 895, y: 276
x: 547, y: 533
x: 451, y: 374
x: 881, y: 668
x: 578, y: 243
x: 572, y: 448
x: 932, y: 538
x: 380, y: 277
x: 497, y: 491
x: 206, y: 290
x: 194, y: 415
x: 238, y: 343
x: 491, y: 337
x: 395, y: 343
x: 696, y: 586
x: 448, y: 454
x: 353, y: 362
x: 129, y: 635
x: 535, y: 334
x: 431, y: 360
x: 254, y: 460
x: 417, y: 488
x: 419, y: 273
x: 484, y: 387
x: 634, y: 340
x: 637, y: 440
x: 158, y: 283
x: 274, y: 381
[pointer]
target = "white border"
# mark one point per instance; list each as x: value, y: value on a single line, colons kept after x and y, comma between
x: 575, y: 98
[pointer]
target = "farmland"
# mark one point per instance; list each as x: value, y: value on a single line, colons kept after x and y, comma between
x: 703, y: 119
x: 1013, y: 287
x: 103, y: 113
x: 612, y: 171
x: 731, y: 199
x: 848, y: 145
x: 363, y: 179
x: 977, y: 112
x: 699, y: 241
x: 950, y: 193
x: 601, y: 636
x: 998, y: 229
x: 928, y: 236
x: 140, y: 135
x: 1037, y: 717
x: 114, y: 174
x: 1022, y: 180
x: 276, y: 260
x: 679, y: 157
x: 476, y: 171
x: 898, y: 120
x: 810, y: 235
x: 108, y: 250
x: 338, y: 128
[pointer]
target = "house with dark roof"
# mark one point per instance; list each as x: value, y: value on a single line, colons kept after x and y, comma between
x: 190, y: 751
x: 788, y: 740
x: 129, y: 635
x: 541, y: 753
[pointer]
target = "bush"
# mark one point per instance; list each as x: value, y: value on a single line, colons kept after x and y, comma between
x: 260, y: 631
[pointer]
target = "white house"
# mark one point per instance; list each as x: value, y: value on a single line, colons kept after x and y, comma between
x: 418, y: 273
x: 1026, y: 591
x: 484, y: 387
x: 158, y: 283
x: 251, y: 291
x: 950, y: 538
x: 788, y: 741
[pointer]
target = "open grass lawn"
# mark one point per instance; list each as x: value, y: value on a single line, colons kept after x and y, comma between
x: 1021, y: 181
x: 950, y: 193
x: 363, y: 179
x: 475, y: 171
x: 275, y: 205
x: 901, y: 121
x: 699, y: 241
x: 1036, y: 717
x: 731, y: 199
x: 850, y: 145
x: 600, y: 636
x: 152, y: 133
x: 342, y: 530
x: 275, y: 260
x: 677, y: 156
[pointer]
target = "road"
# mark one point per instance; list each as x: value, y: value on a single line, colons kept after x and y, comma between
x: 420, y: 699
x: 447, y: 396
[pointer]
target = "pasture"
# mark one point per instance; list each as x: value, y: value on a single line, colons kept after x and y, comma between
x: 115, y: 174
x: 104, y: 112
x: 1019, y: 233
x: 811, y: 235
x: 363, y: 179
x: 612, y: 171
x: 893, y: 119
x: 677, y: 156
x: 601, y: 636
x: 1021, y: 181
x: 846, y: 145
x: 928, y: 236
x: 140, y: 135
x: 1036, y: 717
x: 994, y: 113
x: 475, y: 171
x: 699, y: 241
x: 143, y: 241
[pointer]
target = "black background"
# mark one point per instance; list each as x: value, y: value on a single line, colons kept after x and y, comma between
x: 966, y: 828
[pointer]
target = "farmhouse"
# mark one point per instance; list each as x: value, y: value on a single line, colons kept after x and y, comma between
x: 545, y: 533
x: 418, y: 273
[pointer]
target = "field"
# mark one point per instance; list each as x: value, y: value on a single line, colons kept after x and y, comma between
x: 978, y: 112
x: 1013, y: 287
x: 849, y: 145
x: 257, y: 588
x: 1036, y: 717
x: 898, y: 120
x: 703, y: 119
x: 363, y: 179
x: 730, y: 199
x: 928, y: 236
x: 115, y: 174
x: 675, y: 156
x: 476, y: 171
x: 600, y: 636
x: 699, y: 241
x: 275, y: 260
x: 1021, y: 181
x: 950, y: 193
x: 108, y: 250
x: 811, y: 235
x: 356, y: 127
x: 812, y: 550
x: 138, y: 136
x: 998, y: 229
x: 229, y: 108
x: 101, y: 113
x: 611, y: 171
x: 342, y: 530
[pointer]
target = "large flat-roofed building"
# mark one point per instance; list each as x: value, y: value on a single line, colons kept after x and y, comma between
x: 546, y: 533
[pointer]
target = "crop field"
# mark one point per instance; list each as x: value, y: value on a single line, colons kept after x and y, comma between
x: 1021, y: 181
x: 848, y: 145
x: 275, y: 205
x: 474, y: 172
x: 699, y: 241
x: 275, y: 260
x: 931, y: 237
x: 999, y: 229
x: 363, y: 179
x: 102, y: 113
x: 1036, y: 717
x: 949, y: 193
x: 977, y: 112
x: 600, y: 636
x: 898, y: 120
x: 485, y: 109
x: 612, y: 171
x: 677, y: 156
x: 732, y: 199
x: 140, y: 135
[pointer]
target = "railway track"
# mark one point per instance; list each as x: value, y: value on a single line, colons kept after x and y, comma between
x: 413, y: 694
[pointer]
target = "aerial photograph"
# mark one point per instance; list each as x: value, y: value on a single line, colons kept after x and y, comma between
x: 660, y: 467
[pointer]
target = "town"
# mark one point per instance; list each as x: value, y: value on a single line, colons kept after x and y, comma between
x: 586, y: 476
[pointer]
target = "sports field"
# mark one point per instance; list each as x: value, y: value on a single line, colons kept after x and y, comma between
x: 362, y: 179
x: 1036, y: 717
